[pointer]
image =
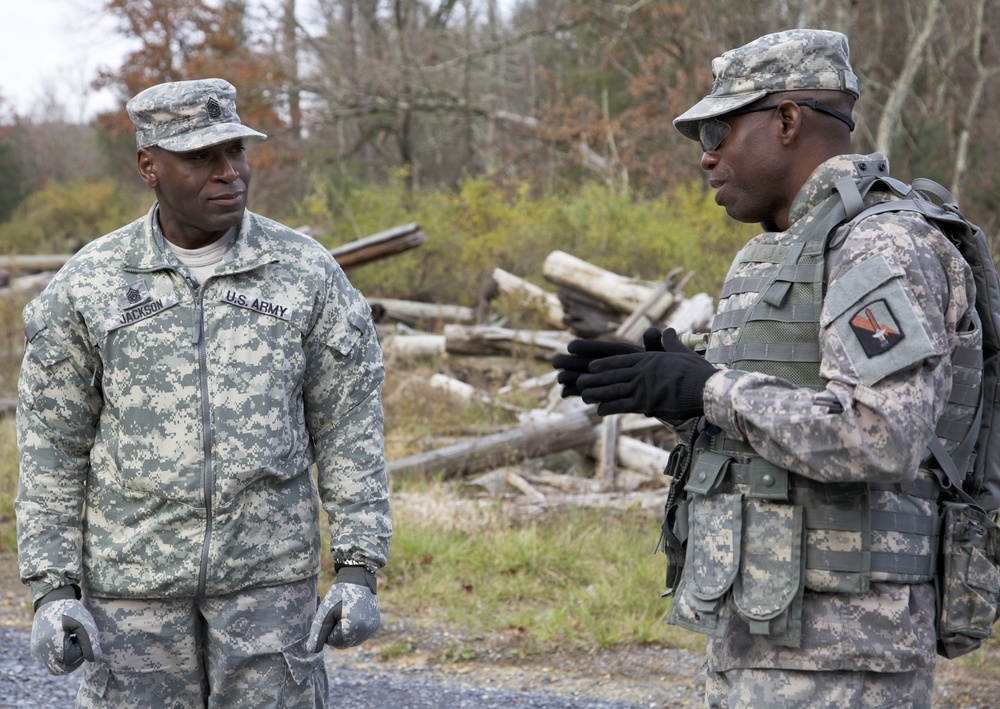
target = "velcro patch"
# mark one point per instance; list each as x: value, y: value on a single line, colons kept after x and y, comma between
x: 876, y: 328
x: 133, y: 294
x: 876, y: 319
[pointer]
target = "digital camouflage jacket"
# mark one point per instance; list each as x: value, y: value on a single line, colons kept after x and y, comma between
x: 168, y: 431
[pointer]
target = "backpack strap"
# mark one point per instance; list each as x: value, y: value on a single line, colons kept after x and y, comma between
x: 922, y: 184
x: 950, y: 479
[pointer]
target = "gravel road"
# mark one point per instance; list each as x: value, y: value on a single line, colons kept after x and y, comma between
x: 24, y: 684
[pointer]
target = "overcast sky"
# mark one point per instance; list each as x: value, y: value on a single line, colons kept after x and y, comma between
x: 51, y: 49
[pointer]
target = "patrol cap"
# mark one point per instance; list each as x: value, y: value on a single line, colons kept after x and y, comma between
x: 187, y: 115
x: 784, y: 61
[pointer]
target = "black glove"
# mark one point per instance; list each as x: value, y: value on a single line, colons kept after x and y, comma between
x: 583, y: 352
x: 668, y: 384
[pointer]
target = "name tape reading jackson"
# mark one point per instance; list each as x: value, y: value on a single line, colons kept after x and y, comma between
x: 140, y: 312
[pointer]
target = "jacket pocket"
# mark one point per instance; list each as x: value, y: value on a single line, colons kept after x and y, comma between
x: 43, y: 354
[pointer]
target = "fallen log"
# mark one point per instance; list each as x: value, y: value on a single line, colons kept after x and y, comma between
x: 33, y: 263
x: 629, y: 501
x: 642, y: 457
x: 378, y: 246
x: 531, y: 296
x: 573, y: 430
x: 416, y: 314
x: 651, y: 313
x: 560, y: 481
x: 354, y: 253
x: 409, y: 346
x: 607, y: 451
x: 587, y: 316
x: 542, y: 381
x: 693, y: 315
x: 457, y: 389
x: 517, y: 481
x: 622, y: 294
x: 492, y: 340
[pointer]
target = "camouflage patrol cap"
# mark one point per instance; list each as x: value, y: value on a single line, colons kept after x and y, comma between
x: 793, y: 60
x: 187, y: 115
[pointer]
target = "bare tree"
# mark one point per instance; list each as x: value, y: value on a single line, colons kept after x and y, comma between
x: 984, y: 74
x: 903, y: 84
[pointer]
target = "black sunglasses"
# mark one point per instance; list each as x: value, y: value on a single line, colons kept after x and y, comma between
x: 712, y: 131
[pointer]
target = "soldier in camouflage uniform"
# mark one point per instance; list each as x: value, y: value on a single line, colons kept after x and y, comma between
x: 810, y: 527
x: 182, y: 376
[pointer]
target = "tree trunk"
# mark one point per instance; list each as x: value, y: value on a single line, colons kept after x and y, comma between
x: 290, y: 51
x: 889, y: 123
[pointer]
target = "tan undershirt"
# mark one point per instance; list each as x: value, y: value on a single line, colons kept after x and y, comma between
x: 201, y: 262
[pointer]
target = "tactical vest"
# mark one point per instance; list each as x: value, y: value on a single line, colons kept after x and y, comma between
x: 758, y: 534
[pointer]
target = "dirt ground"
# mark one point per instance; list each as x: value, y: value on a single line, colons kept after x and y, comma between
x: 643, y: 675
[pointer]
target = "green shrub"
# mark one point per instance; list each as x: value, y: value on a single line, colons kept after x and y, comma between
x: 63, y: 217
x: 482, y: 227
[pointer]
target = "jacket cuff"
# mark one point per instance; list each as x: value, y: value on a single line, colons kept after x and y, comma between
x: 360, y: 575
x: 718, y: 395
x: 70, y: 592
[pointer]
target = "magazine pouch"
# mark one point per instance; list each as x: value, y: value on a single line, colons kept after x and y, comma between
x: 711, y: 564
x: 768, y: 592
x: 969, y: 582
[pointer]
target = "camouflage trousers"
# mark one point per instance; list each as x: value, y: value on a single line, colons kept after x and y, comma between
x: 247, y: 649
x: 785, y: 689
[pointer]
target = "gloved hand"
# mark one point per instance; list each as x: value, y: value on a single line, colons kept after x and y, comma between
x: 349, y: 613
x: 583, y: 352
x: 64, y: 634
x: 668, y: 384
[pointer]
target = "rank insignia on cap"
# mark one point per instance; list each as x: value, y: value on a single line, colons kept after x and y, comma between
x: 133, y: 294
x: 876, y: 328
x: 213, y: 108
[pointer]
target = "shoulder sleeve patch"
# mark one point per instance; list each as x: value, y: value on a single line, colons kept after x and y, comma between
x: 876, y: 320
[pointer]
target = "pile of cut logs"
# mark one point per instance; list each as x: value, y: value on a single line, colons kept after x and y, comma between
x: 560, y: 453
x: 625, y: 455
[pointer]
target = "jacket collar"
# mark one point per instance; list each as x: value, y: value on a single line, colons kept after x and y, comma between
x: 145, y: 250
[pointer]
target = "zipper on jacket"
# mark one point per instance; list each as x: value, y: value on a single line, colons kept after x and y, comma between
x: 208, y: 481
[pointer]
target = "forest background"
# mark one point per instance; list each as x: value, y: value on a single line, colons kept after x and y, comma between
x: 506, y: 130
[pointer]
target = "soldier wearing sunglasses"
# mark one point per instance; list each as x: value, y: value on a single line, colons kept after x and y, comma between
x: 802, y: 542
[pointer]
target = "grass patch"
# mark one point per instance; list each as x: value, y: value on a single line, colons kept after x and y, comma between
x: 8, y: 484
x: 579, y: 579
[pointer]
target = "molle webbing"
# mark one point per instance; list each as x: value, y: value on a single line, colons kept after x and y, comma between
x: 856, y: 533
x: 778, y: 333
